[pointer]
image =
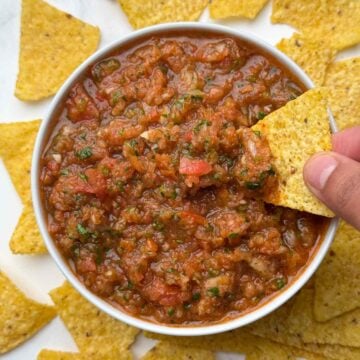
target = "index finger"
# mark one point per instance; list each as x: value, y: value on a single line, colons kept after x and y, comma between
x: 347, y: 143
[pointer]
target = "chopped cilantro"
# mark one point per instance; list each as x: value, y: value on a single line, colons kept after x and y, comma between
x: 84, y: 153
x: 171, y: 311
x: 253, y: 185
x: 261, y: 115
x: 214, y: 292
x: 233, y: 235
x: 196, y: 296
x: 83, y: 177
x: 280, y: 283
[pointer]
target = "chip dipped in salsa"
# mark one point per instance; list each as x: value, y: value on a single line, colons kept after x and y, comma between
x: 153, y: 181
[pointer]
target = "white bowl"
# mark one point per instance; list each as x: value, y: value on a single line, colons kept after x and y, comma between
x: 254, y: 314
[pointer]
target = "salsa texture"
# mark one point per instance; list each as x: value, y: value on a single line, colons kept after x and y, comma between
x: 153, y: 181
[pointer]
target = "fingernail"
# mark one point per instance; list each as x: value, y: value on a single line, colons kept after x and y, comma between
x: 318, y: 170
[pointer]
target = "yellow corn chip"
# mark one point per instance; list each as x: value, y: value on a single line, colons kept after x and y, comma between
x: 343, y: 330
x: 295, y: 132
x: 220, y: 9
x: 311, y: 55
x: 16, y: 147
x: 142, y: 13
x: 96, y: 333
x: 59, y: 355
x: 20, y: 317
x: 164, y: 351
x: 336, y: 22
x: 343, y: 80
x: 238, y: 341
x: 26, y: 238
x: 53, y: 43
x: 275, y: 327
x: 341, y: 266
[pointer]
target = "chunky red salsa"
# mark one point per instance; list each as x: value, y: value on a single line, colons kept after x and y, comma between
x: 153, y: 180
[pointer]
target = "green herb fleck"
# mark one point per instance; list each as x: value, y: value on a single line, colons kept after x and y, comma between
x: 196, y: 296
x: 84, y: 153
x: 261, y: 115
x: 214, y: 292
x: 253, y: 185
x: 83, y: 177
x: 233, y: 235
x: 171, y: 311
x: 280, y: 283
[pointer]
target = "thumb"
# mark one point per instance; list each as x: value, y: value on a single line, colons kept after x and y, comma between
x: 335, y: 180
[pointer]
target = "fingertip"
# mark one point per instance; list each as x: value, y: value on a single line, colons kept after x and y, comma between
x: 318, y: 169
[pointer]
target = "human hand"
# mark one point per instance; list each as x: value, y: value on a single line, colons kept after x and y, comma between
x: 334, y: 176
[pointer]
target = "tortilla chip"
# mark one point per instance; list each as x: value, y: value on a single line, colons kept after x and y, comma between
x: 53, y: 43
x: 26, y: 238
x: 312, y: 56
x: 275, y: 328
x: 341, y: 266
x: 336, y: 22
x: 95, y: 333
x: 59, y: 355
x: 142, y: 13
x: 164, y: 351
x: 20, y: 317
x: 343, y: 80
x: 220, y: 9
x: 237, y: 341
x: 343, y: 330
x: 295, y: 132
x: 16, y: 147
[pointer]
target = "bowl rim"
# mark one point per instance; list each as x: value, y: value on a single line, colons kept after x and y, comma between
x: 274, y: 302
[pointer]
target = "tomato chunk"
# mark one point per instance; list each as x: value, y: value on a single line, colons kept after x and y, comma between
x: 194, y: 167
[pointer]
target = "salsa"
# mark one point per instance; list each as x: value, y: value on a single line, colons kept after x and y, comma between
x: 153, y: 180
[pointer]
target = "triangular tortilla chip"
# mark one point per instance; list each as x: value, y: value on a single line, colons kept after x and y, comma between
x: 220, y: 9
x: 311, y: 55
x: 26, y: 238
x: 20, y: 317
x: 95, y: 333
x: 336, y: 22
x: 165, y: 350
x: 16, y: 147
x: 342, y: 330
x: 341, y: 266
x: 343, y: 80
x: 53, y: 43
x: 295, y: 132
x: 142, y: 13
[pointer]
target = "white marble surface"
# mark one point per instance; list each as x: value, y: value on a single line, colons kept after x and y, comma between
x: 37, y: 275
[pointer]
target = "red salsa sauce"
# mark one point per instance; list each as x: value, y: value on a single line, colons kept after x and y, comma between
x: 153, y: 180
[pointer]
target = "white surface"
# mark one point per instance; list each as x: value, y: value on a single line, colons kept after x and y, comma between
x: 37, y: 275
